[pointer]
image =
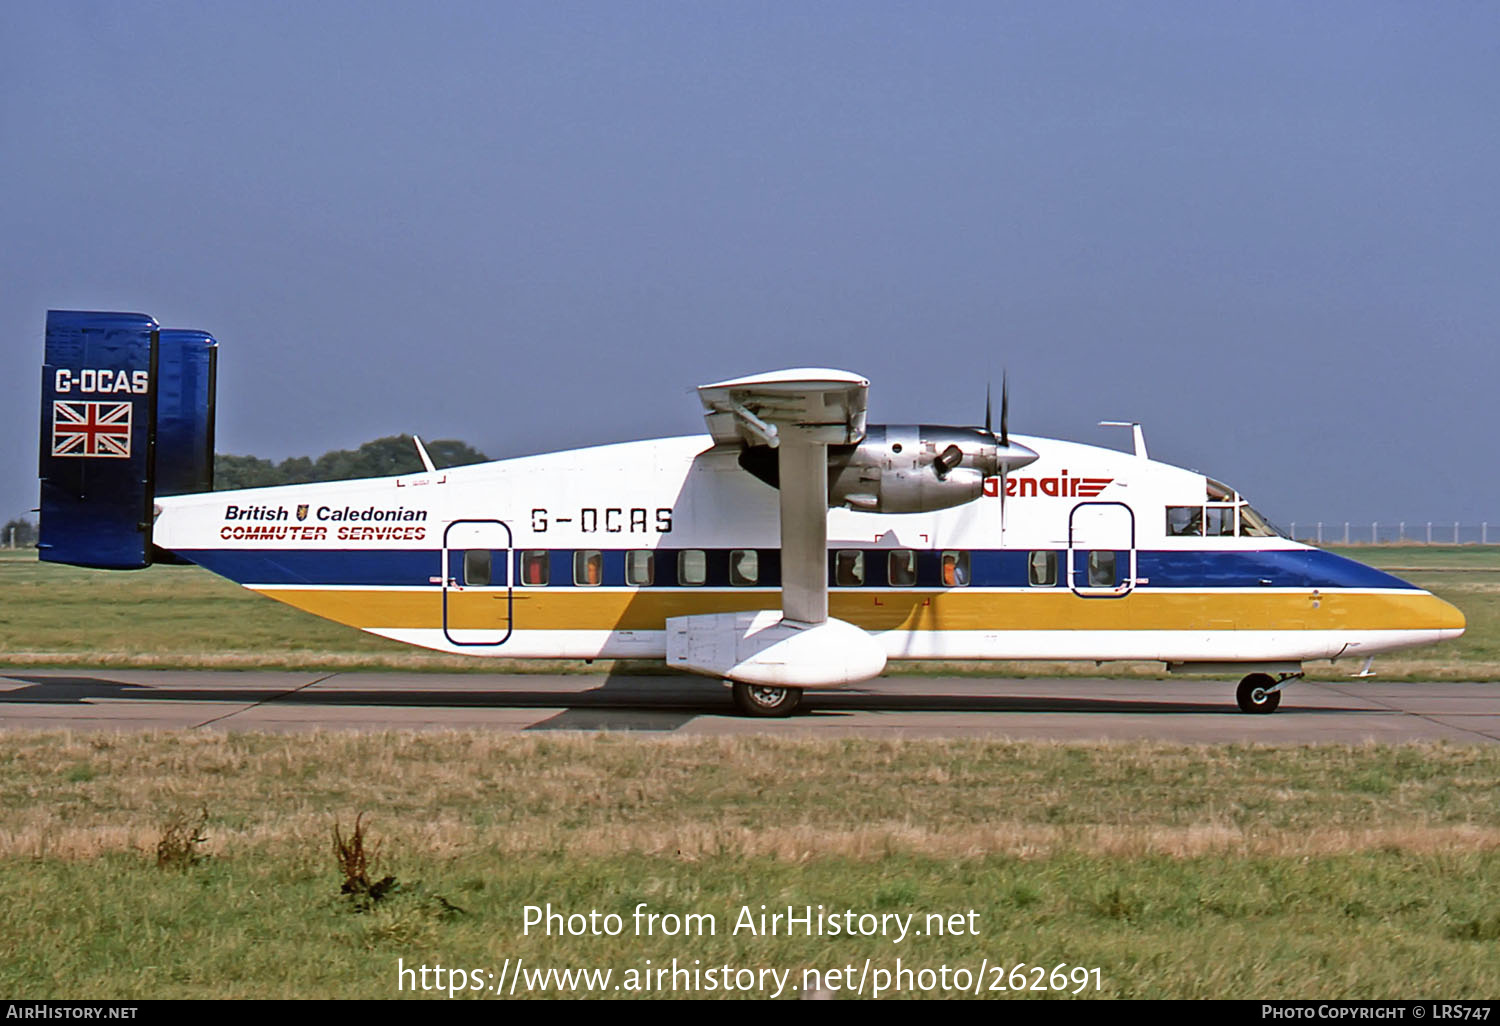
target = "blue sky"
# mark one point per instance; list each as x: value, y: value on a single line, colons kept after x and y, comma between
x: 1269, y: 231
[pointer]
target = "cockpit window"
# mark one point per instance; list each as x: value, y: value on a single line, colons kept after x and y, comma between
x: 1221, y: 520
x: 1218, y: 491
x: 1218, y: 521
x: 1184, y: 521
x: 1253, y: 525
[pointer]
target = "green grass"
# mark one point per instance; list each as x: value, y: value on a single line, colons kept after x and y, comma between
x: 1181, y: 872
x: 1424, y: 558
x: 1368, y: 926
x: 1466, y: 575
x: 174, y: 617
x: 177, y: 616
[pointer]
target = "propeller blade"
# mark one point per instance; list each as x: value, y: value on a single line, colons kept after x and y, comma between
x: 1004, y: 409
x: 989, y: 408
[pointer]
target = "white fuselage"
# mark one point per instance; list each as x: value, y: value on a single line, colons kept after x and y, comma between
x: 587, y: 554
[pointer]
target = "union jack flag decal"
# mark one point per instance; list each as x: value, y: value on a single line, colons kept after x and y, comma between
x: 91, y: 429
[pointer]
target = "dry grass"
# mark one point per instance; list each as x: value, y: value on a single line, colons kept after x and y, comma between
x: 1180, y: 871
x: 182, y: 839
x: 442, y: 795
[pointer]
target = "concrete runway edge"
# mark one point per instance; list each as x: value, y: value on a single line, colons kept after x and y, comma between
x: 1036, y: 708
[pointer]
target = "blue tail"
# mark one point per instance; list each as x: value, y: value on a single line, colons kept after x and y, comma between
x: 127, y: 414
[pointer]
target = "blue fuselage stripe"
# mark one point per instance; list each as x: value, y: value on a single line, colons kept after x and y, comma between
x: 993, y: 568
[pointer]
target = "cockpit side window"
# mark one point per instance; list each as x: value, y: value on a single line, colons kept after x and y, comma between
x: 1221, y: 520
x: 1218, y: 521
x: 1184, y: 521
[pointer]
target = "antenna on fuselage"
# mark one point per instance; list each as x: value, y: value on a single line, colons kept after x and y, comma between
x: 1140, y: 436
x: 422, y: 452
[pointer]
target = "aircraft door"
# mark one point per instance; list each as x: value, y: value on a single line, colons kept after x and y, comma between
x: 1101, y: 550
x: 477, y: 601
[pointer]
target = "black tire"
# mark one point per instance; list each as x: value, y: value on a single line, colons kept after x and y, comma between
x: 1253, y: 697
x: 759, y: 700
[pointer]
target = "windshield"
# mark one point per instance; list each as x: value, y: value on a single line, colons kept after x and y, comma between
x: 1253, y: 525
x: 1224, y: 514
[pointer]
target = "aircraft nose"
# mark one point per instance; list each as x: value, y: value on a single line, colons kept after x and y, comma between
x: 1451, y: 621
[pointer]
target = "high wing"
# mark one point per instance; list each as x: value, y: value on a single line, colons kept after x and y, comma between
x: 799, y: 413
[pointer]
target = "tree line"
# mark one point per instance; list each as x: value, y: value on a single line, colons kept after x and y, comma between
x: 380, y: 458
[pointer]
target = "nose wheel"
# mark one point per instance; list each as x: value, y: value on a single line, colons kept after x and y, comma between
x: 1259, y: 693
x: 759, y: 700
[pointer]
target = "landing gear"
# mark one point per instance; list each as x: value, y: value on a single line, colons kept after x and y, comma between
x: 1259, y: 693
x: 759, y: 700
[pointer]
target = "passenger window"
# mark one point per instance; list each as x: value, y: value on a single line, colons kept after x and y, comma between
x: 1183, y: 521
x: 849, y: 568
x: 901, y: 568
x: 477, y: 568
x: 692, y: 567
x: 535, y: 568
x: 1219, y: 521
x: 640, y: 568
x: 1043, y: 569
x: 588, y: 568
x: 1102, y: 568
x: 744, y: 568
x: 955, y: 569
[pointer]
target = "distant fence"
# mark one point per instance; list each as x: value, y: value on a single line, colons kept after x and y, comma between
x: 1399, y: 532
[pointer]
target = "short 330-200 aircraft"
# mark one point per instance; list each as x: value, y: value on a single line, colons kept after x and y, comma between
x: 794, y: 547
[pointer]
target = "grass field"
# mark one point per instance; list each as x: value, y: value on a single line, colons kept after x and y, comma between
x: 1187, y: 872
x: 1183, y: 872
x: 168, y: 617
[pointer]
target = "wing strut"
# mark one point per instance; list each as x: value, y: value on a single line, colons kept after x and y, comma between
x: 799, y: 413
x: 804, y: 527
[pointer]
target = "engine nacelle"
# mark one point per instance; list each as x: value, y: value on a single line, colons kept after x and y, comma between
x: 908, y: 468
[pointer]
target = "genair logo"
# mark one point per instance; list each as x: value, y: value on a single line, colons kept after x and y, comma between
x: 1060, y: 487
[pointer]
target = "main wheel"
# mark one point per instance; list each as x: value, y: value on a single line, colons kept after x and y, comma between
x: 759, y: 700
x: 1253, y: 696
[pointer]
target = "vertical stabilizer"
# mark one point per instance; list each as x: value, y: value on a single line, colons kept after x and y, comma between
x: 127, y: 414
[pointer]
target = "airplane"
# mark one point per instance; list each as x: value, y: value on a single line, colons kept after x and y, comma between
x: 792, y: 547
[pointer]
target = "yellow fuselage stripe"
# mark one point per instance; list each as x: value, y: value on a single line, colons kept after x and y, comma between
x: 965, y: 610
